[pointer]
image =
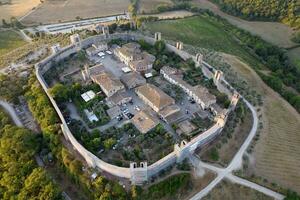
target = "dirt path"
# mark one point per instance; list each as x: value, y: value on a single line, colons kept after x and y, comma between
x: 276, y: 155
x: 171, y: 15
x: 273, y: 32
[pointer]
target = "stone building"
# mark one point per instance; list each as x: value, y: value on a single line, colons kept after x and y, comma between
x: 132, y: 55
x: 108, y: 83
x: 199, y: 93
x: 154, y: 97
x: 145, y: 121
x: 133, y: 80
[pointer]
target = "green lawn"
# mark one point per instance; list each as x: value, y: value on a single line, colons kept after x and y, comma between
x: 202, y: 31
x: 9, y: 40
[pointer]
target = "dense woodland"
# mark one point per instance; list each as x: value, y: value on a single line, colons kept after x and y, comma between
x: 286, y: 11
x: 20, y: 177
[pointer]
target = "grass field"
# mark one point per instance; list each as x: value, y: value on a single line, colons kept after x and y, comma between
x: 201, y: 31
x: 273, y: 32
x: 17, y: 8
x: 228, y: 191
x: 10, y: 40
x: 146, y: 6
x: 69, y: 10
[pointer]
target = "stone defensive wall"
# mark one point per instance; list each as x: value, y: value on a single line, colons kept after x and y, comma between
x: 137, y: 174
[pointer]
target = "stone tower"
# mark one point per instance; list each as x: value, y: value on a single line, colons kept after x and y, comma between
x: 105, y: 31
x: 157, y: 36
x: 199, y: 58
x: 181, y: 151
x: 139, y: 174
x: 235, y: 99
x: 75, y: 40
x: 217, y: 76
x: 179, y: 45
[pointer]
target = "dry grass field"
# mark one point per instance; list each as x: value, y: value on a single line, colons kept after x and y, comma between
x: 146, y: 6
x: 10, y: 40
x: 276, y: 155
x: 17, y: 8
x: 273, y: 32
x: 229, y: 148
x: 69, y: 10
x: 228, y: 191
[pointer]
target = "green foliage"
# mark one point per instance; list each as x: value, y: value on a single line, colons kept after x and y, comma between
x: 275, y: 10
x: 11, y: 87
x: 4, y: 119
x: 292, y: 196
x: 18, y: 168
x: 168, y: 187
x: 60, y: 92
x: 214, y: 154
x: 296, y: 37
x: 160, y: 47
x: 109, y: 143
x: 38, y: 185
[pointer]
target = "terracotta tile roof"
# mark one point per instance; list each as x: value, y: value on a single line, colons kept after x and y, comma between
x: 107, y: 81
x: 132, y: 79
x: 145, y: 120
x: 155, y: 95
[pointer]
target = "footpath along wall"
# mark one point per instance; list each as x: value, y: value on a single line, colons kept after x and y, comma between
x: 138, y: 174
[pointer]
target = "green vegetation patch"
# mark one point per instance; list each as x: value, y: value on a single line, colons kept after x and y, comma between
x: 169, y: 187
x: 202, y: 31
x: 10, y: 40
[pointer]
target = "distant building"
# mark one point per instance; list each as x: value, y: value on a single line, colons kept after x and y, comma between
x: 100, y: 45
x: 132, y: 56
x: 108, y: 83
x: 129, y: 52
x: 88, y: 72
x: 91, y: 51
x: 154, y: 97
x: 199, y: 93
x: 132, y: 80
x: 114, y: 112
x: 171, y: 114
x: 119, y: 98
x: 145, y: 121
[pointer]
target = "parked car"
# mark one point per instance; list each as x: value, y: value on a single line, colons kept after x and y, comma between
x: 137, y: 108
x: 130, y: 115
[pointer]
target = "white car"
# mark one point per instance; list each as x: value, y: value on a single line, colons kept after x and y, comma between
x: 137, y: 108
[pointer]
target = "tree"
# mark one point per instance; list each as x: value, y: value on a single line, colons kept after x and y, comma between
x: 214, y: 154
x: 109, y: 143
x: 159, y: 46
x: 60, y: 92
x: 291, y: 195
x: 38, y: 185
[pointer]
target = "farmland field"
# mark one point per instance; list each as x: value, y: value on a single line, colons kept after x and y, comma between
x: 69, y: 10
x: 201, y: 31
x: 276, y: 156
x: 17, y: 8
x: 227, y: 191
x: 273, y: 32
x: 9, y: 40
x: 146, y: 6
